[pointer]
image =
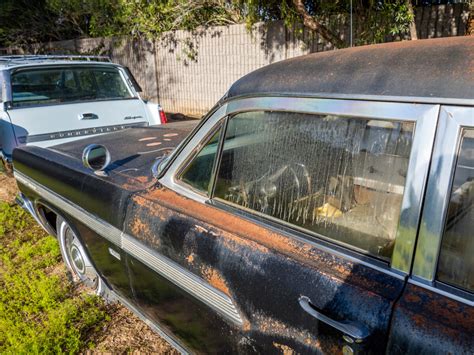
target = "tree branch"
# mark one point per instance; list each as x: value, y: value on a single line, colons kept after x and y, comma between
x: 413, y: 34
x: 312, y: 24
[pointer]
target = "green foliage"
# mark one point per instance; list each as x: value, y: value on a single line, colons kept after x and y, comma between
x: 59, y: 19
x: 374, y: 21
x: 39, y: 313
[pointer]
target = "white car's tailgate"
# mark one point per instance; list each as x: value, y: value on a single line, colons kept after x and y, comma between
x: 46, y: 125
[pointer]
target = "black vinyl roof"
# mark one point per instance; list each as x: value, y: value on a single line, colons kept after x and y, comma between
x: 433, y: 68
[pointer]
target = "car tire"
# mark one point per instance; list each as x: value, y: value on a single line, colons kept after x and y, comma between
x: 76, y: 259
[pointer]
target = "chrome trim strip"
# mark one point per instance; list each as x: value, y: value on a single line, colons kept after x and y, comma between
x: 452, y: 121
x: 106, y: 230
x: 167, y: 268
x: 417, y: 174
x: 182, y: 278
x: 348, y: 108
x: 170, y: 179
x: 425, y: 118
x: 82, y: 132
x: 441, y: 292
x: 316, y: 241
x: 358, y: 97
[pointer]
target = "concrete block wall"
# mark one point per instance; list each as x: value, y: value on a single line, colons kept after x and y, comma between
x: 188, y: 72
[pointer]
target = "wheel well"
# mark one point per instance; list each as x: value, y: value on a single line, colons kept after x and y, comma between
x: 48, y: 216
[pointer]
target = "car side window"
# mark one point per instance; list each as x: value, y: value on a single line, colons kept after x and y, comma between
x: 456, y: 259
x: 337, y: 177
x: 198, y: 172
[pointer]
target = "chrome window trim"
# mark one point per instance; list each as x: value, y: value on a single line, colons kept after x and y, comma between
x: 452, y: 122
x: 2, y: 87
x: 373, y: 98
x: 180, y: 171
x: 11, y: 108
x: 431, y: 287
x: 321, y: 243
x: 425, y: 118
x: 7, y: 87
x: 171, y: 176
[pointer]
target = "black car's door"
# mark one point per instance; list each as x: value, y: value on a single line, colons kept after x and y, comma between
x: 436, y: 312
x: 284, y: 231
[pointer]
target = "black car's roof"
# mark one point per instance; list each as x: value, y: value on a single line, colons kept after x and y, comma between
x: 434, y: 68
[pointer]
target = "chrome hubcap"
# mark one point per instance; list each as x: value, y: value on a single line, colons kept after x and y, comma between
x: 76, y: 259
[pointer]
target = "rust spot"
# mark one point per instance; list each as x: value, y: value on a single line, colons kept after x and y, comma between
x: 170, y: 135
x: 285, y: 349
x: 136, y: 183
x: 272, y: 326
x: 436, y: 314
x: 237, y: 232
x: 246, y: 325
x: 190, y: 258
x: 142, y: 230
x: 215, y: 279
x: 143, y: 179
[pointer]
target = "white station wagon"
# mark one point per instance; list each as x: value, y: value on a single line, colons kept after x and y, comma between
x: 49, y: 100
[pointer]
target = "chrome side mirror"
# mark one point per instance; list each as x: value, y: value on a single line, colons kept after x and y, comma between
x: 96, y: 157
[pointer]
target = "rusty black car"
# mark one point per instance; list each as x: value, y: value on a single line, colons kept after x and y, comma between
x: 324, y: 205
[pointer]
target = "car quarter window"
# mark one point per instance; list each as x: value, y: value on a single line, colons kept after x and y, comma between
x: 456, y: 260
x: 337, y: 177
x: 198, y: 172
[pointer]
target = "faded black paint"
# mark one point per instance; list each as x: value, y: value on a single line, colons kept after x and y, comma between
x: 427, y: 322
x: 264, y: 284
x: 440, y: 68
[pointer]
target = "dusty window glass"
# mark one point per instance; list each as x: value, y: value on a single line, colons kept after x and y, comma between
x: 69, y: 84
x: 456, y: 260
x: 198, y: 173
x: 342, y: 178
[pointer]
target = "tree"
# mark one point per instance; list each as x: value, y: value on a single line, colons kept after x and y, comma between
x: 375, y: 21
x: 46, y: 20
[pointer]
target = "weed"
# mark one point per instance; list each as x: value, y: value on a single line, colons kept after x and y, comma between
x: 39, y: 310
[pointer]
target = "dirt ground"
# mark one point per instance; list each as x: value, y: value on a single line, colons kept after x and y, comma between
x: 8, y: 188
x: 124, y: 333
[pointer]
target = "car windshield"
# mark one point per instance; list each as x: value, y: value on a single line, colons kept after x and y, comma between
x: 67, y: 84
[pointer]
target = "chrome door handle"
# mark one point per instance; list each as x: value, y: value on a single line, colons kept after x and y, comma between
x: 355, y: 330
x: 88, y: 116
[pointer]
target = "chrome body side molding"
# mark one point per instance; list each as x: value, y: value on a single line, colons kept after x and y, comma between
x: 106, y: 230
x: 167, y: 268
x: 176, y: 274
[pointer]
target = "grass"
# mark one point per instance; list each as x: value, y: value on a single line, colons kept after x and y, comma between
x: 40, y: 310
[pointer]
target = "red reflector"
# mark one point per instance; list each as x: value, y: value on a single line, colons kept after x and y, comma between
x: 163, y: 118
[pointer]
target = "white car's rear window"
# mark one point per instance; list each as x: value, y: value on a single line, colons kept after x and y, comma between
x: 67, y: 84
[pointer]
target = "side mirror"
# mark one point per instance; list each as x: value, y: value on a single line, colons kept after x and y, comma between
x: 96, y: 157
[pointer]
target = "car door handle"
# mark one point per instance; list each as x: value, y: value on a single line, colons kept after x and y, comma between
x: 356, y: 331
x: 88, y: 116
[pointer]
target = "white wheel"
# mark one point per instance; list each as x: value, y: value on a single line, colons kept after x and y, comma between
x: 76, y: 258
